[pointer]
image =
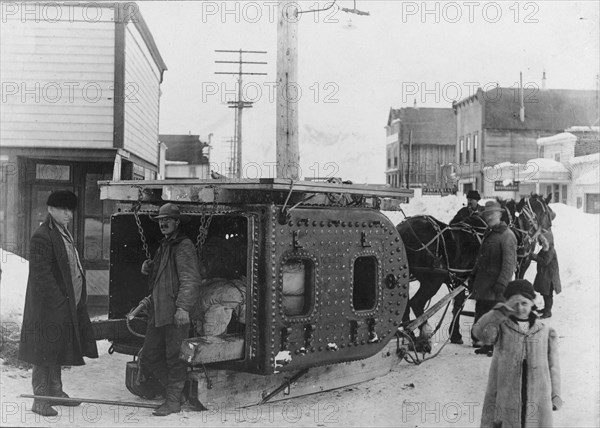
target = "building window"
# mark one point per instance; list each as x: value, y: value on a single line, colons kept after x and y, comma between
x: 297, y: 287
x: 96, y: 222
x: 468, y: 158
x: 395, y: 160
x: 557, y: 157
x: 475, y: 147
x: 389, y: 163
x: 579, y: 201
x: 364, y: 283
x: 461, y: 148
x: 52, y: 172
x: 564, y: 194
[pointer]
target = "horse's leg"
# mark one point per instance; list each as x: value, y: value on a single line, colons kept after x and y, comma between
x: 454, y: 328
x: 430, y: 284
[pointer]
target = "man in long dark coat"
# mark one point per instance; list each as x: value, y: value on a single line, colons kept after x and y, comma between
x: 174, y: 283
x: 495, y: 265
x: 56, y: 327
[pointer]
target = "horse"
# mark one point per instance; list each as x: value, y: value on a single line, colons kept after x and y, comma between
x: 534, y: 216
x: 438, y: 253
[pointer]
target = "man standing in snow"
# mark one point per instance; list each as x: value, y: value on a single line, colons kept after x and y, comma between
x: 495, y: 265
x: 174, y: 283
x: 56, y: 325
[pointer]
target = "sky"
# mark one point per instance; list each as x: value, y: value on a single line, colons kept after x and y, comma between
x: 352, y: 69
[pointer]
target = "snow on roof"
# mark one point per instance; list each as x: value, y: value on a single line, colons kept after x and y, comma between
x: 543, y: 164
x: 168, y: 162
x: 583, y: 129
x: 558, y: 138
x: 548, y: 165
x: 594, y: 157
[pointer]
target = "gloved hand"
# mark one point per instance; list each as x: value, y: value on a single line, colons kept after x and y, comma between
x: 505, y: 308
x: 556, y: 402
x: 182, y: 317
x: 143, y: 306
x: 147, y: 266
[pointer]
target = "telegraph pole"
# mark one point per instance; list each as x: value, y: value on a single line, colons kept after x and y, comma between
x: 239, y: 104
x: 288, y: 156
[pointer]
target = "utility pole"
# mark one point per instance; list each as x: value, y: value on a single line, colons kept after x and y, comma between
x: 239, y: 104
x: 408, y: 159
x: 288, y: 155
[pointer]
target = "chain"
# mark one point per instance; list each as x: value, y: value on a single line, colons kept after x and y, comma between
x: 205, y: 220
x: 136, y: 207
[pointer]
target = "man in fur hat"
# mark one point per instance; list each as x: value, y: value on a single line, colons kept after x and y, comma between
x: 56, y: 325
x: 174, y: 284
x: 472, y: 207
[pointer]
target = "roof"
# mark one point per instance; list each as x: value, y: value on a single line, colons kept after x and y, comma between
x: 428, y: 125
x: 184, y: 148
x: 547, y: 110
x: 144, y: 30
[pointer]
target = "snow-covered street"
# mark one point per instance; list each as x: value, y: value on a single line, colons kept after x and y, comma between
x: 445, y: 391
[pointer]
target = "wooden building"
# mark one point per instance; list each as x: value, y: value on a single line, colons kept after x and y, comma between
x: 81, y: 91
x: 495, y: 126
x: 568, y: 169
x: 419, y: 145
x: 186, y: 156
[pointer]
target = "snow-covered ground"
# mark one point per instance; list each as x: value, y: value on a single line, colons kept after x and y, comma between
x: 445, y: 391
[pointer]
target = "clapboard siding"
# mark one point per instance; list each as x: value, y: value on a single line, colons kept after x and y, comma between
x: 516, y: 146
x: 62, y: 74
x: 142, y: 86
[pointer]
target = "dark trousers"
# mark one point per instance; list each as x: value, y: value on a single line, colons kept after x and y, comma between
x: 548, y: 302
x: 482, y: 307
x: 457, y: 305
x: 46, y: 380
x: 160, y: 356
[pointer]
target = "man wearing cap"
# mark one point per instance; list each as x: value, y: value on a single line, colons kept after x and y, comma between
x: 472, y: 207
x: 56, y: 325
x: 495, y: 265
x: 174, y: 281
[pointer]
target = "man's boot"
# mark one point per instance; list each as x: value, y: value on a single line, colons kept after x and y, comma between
x: 55, y: 388
x: 173, y: 402
x: 39, y: 380
x: 548, y: 303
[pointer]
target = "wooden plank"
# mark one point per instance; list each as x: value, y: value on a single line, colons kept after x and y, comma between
x: 266, y: 185
x: 213, y: 349
x: 230, y: 389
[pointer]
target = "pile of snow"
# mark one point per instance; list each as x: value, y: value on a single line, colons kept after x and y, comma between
x: 577, y: 242
x: 13, y: 285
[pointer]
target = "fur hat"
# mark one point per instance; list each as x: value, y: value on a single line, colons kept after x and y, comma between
x: 491, y: 206
x: 62, y: 199
x: 520, y: 286
x: 171, y: 211
x: 473, y: 194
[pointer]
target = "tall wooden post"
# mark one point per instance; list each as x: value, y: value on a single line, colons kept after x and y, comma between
x: 288, y: 91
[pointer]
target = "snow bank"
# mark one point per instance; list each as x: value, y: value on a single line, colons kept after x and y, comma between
x: 577, y: 242
x: 12, y: 287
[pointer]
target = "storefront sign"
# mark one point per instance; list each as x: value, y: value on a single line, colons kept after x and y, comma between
x: 443, y: 191
x: 511, y: 187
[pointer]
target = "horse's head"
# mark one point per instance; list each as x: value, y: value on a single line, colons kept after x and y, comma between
x: 508, y: 210
x: 536, y: 212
